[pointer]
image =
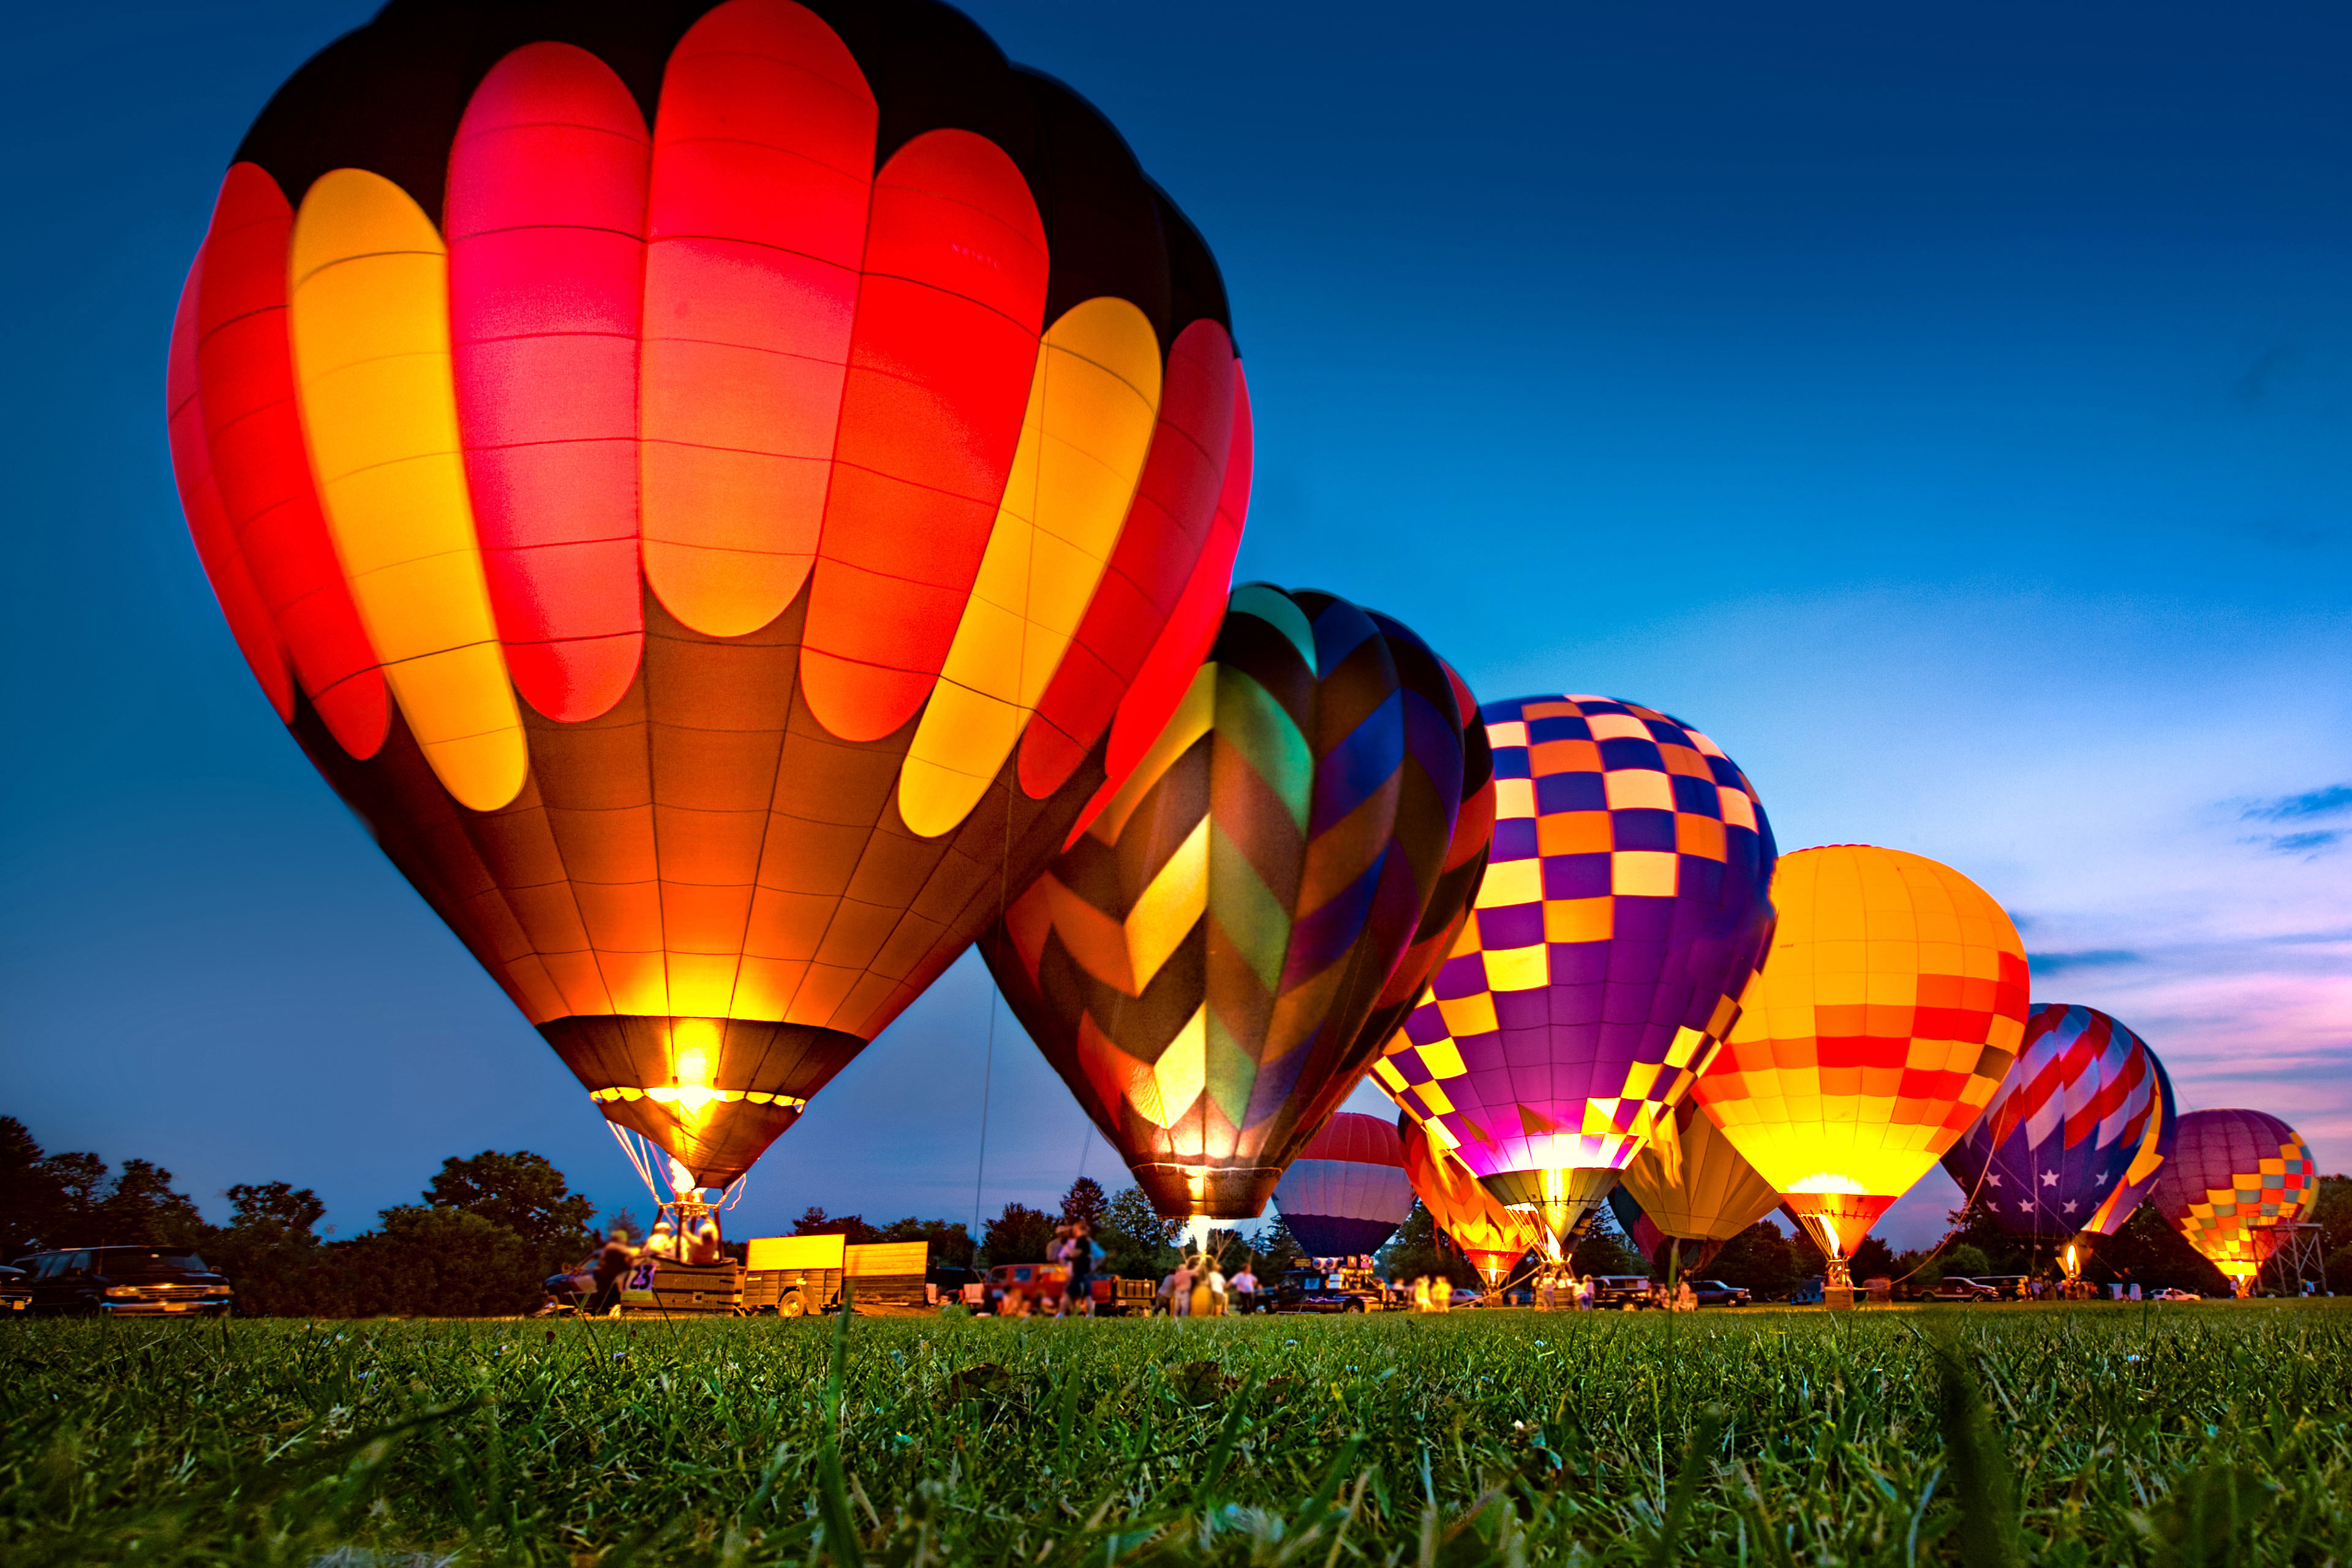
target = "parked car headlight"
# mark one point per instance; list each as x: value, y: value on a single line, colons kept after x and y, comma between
x: 123, y: 1290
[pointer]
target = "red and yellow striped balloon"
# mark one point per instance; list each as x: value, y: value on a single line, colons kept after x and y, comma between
x: 724, y: 491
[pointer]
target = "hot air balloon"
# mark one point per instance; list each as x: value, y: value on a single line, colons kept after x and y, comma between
x: 2235, y: 1178
x: 1347, y: 1192
x: 1201, y: 963
x: 1888, y: 1012
x: 1623, y: 912
x: 1691, y: 1185
x: 2155, y: 1141
x: 1493, y: 1237
x: 721, y: 491
x: 2062, y: 1128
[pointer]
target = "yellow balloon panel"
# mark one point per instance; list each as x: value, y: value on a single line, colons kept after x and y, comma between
x: 370, y: 335
x: 1092, y: 405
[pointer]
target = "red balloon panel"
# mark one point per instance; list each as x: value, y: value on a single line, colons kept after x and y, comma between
x: 946, y: 338
x: 244, y: 365
x: 546, y: 219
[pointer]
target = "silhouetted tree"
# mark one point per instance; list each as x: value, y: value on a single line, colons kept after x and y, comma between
x: 951, y: 1242
x: 1019, y: 1235
x: 1135, y: 1240
x: 271, y: 1252
x: 815, y: 1220
x: 1762, y: 1259
x: 521, y: 1192
x: 1085, y: 1201
x: 1605, y: 1250
x: 1420, y: 1249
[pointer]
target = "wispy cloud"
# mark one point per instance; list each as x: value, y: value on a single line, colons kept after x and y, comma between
x: 2294, y: 807
x: 2301, y: 843
x: 2048, y: 964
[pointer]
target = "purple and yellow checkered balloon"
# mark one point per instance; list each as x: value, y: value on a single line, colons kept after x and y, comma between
x: 1624, y: 909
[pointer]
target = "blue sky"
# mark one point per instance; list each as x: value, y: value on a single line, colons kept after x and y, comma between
x: 1945, y: 409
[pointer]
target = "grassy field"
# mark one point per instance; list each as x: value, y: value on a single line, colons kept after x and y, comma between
x: 2089, y: 1435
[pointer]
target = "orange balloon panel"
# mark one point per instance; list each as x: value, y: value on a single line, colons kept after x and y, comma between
x: 728, y: 446
x: 1890, y: 1006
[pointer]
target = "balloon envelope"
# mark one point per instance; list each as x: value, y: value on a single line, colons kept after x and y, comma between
x: 1201, y: 963
x: 1493, y: 1237
x: 719, y: 496
x: 1623, y: 912
x: 1889, y: 1010
x: 1691, y: 1184
x: 1348, y: 1191
x: 2234, y: 1178
x: 2065, y: 1126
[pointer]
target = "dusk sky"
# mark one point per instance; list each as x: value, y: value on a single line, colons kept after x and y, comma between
x: 1947, y: 411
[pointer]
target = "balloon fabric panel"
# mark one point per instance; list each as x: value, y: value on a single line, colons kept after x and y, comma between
x: 2233, y: 1179
x: 940, y: 367
x: 1092, y: 405
x: 1175, y: 506
x: 2064, y: 1126
x: 1200, y: 963
x: 216, y: 547
x: 1890, y: 1009
x: 370, y: 329
x: 253, y: 422
x: 2156, y: 1144
x: 761, y: 181
x: 1621, y: 912
x: 560, y: 448
x: 1192, y: 627
x: 546, y: 218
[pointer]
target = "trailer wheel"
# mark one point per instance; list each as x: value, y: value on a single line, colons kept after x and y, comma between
x: 792, y: 1305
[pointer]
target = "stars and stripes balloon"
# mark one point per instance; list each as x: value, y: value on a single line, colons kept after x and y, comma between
x: 1888, y: 1012
x: 1204, y: 963
x: 720, y: 489
x: 1348, y: 1191
x: 2156, y: 1142
x: 2234, y: 1180
x: 1622, y: 913
x: 2065, y: 1126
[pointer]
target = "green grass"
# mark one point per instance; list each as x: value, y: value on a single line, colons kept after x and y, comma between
x: 2092, y: 1435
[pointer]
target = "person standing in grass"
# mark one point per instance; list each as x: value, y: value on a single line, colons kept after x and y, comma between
x: 1179, y: 1286
x: 610, y: 1267
x: 1079, y: 1255
x: 1244, y: 1287
x: 1441, y: 1294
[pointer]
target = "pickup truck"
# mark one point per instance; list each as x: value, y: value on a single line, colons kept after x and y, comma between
x: 123, y: 1282
x: 1716, y: 1293
x: 1960, y: 1288
x: 1330, y: 1290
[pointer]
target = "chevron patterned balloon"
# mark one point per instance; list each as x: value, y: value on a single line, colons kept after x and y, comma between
x: 2065, y: 1126
x: 1205, y: 964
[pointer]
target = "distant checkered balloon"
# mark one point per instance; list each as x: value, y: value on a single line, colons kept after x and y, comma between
x: 1623, y: 911
x: 2064, y: 1127
x: 2235, y: 1177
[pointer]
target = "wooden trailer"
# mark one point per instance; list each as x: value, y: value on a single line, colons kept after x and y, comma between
x: 793, y: 1274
